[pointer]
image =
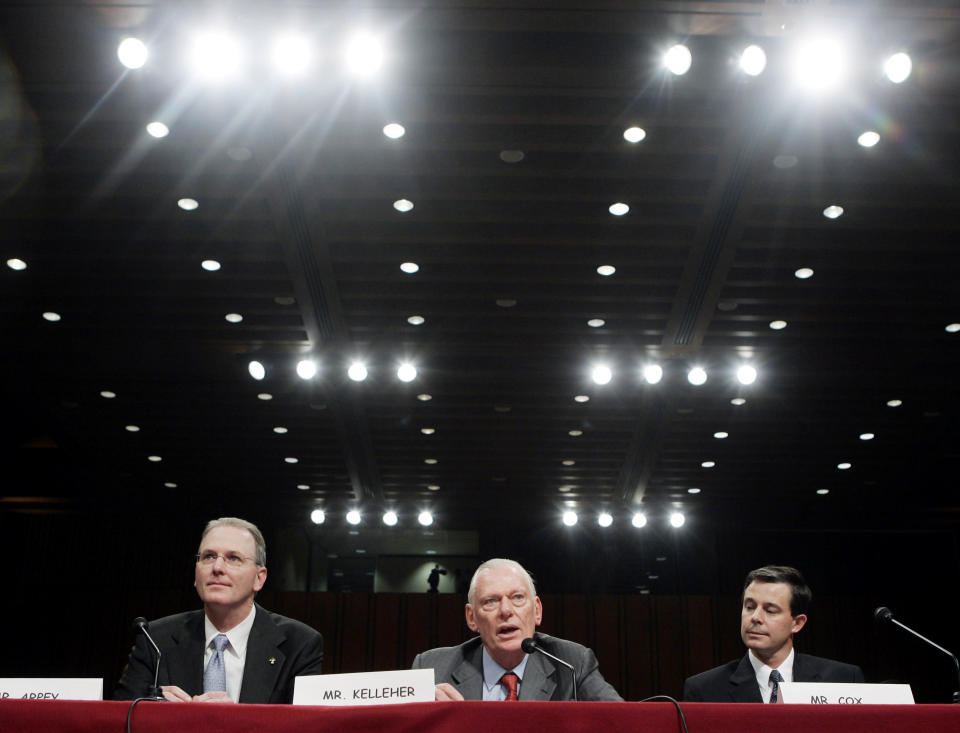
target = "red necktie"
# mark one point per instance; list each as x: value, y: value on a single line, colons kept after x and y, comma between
x: 509, y: 680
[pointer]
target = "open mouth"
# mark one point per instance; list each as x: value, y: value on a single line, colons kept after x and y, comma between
x: 507, y: 630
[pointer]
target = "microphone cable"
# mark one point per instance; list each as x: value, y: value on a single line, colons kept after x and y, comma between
x: 683, y: 719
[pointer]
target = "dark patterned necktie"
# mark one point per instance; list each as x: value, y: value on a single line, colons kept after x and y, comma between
x: 509, y: 680
x: 776, y: 678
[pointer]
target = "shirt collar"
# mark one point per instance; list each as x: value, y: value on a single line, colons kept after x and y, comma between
x: 492, y: 672
x: 762, y: 671
x: 237, y: 636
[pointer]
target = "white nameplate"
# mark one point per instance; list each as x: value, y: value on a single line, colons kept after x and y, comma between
x: 365, y: 688
x: 844, y: 693
x: 51, y: 688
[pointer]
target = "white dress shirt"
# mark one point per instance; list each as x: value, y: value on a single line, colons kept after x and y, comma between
x: 763, y: 674
x: 234, y: 654
x: 492, y: 672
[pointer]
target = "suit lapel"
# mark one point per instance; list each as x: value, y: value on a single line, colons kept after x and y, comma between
x: 264, y: 659
x: 803, y: 671
x: 185, y: 664
x: 743, y: 683
x: 539, y: 678
x: 468, y: 675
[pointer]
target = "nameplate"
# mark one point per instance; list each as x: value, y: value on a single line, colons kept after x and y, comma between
x: 51, y: 688
x: 365, y: 688
x: 844, y: 693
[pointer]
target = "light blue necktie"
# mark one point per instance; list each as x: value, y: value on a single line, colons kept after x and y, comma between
x: 776, y: 678
x: 215, y: 675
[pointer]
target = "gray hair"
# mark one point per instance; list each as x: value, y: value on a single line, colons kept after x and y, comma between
x: 500, y: 562
x: 260, y: 553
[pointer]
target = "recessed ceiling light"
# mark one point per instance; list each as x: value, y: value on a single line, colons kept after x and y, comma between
x: 564, y: 489
x: 132, y: 428
x: 353, y: 517
x: 291, y: 459
x: 708, y: 464
x: 778, y: 325
x: 210, y: 265
x: 604, y: 519
x: 425, y: 518
x: 303, y: 487
x: 568, y: 462
x: 416, y: 320
x: 403, y: 205
x: 844, y: 466
x: 634, y: 134
x: 284, y: 300
x: 511, y: 156
x: 833, y: 211
x: 639, y: 520
x: 364, y: 54
x: 653, y: 373
x: 823, y: 492
x: 952, y: 328
x: 601, y: 374
x: 257, y: 370
x: 894, y: 403
x: 753, y: 60
x: 867, y: 436
x: 428, y: 431
x: 187, y: 204
x: 15, y: 263
x: 357, y: 371
x: 406, y: 372
x: 677, y: 519
x: 409, y: 267
x: 868, y: 139
x: 51, y: 316
x: 132, y: 53
x: 697, y: 376
x: 693, y: 490
x: 424, y: 397
x: 433, y: 487
x: 721, y: 434
x: 157, y: 129
x: 306, y: 368
x: 265, y: 396
x: 154, y: 459
x: 506, y: 302
x: 581, y: 398
x: 746, y: 374
x: 280, y: 430
x: 803, y: 273
x: 390, y: 518
x: 596, y: 322
x: 233, y: 318
x: 430, y: 461
x: 170, y: 484
x: 317, y: 516
x: 606, y: 270
x: 575, y: 433
x: 394, y: 130
x: 738, y: 401
x: 619, y: 208
x: 678, y: 59
x: 897, y: 68
x: 785, y: 161
x: 569, y: 518
x: 107, y: 394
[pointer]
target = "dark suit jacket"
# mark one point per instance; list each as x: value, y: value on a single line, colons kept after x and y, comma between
x: 543, y: 679
x: 278, y: 650
x: 737, y: 682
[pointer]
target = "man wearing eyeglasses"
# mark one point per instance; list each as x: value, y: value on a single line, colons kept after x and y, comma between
x: 503, y: 607
x: 233, y: 650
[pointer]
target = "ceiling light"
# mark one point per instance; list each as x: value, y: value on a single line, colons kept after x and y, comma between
x: 753, y: 60
x: 708, y: 464
x: 606, y: 270
x: 210, y: 265
x: 107, y: 394
x: 601, y: 374
x: 303, y: 487
x: 233, y: 318
x: 653, y: 373
x: 416, y: 320
x: 353, y: 517
x: 425, y: 518
x: 894, y: 403
x: 187, y: 204
x: 512, y: 156
x: 778, y: 325
x: 15, y: 263
x: 403, y: 205
x: 952, y: 328
x: 568, y: 462
x: 406, y: 372
x: 317, y: 516
x: 364, y: 55
x: 257, y: 370
x: 569, y: 518
x: 697, y: 376
x: 132, y: 53
x: 428, y: 431
x: 357, y: 371
x: 677, y: 519
x: 678, y: 59
x: 564, y: 489
x: 390, y: 518
x: 410, y: 267
x: 738, y: 401
x: 216, y: 56
x: 306, y: 368
x: 280, y: 430
x: 596, y: 322
x: 51, y: 316
x: 820, y: 64
x: 575, y: 433
x: 746, y: 374
x: 581, y: 398
x: 634, y: 134
x: 132, y: 428
x: 897, y: 68
x: 433, y: 487
x: 424, y: 397
x: 868, y: 139
x: 157, y: 129
x: 265, y: 396
x: 844, y: 466
x: 721, y: 435
x: 291, y: 55
x: 154, y: 459
x: 693, y: 490
x: 823, y: 492
x: 604, y: 519
x: 867, y: 436
x: 430, y: 461
x: 619, y: 209
x: 506, y: 302
x: 394, y: 130
x: 291, y: 459
x: 833, y: 211
x: 804, y: 273
x: 170, y: 484
x: 639, y: 520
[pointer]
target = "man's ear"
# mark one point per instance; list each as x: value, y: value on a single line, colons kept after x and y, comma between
x: 260, y: 579
x: 798, y: 622
x: 471, y: 620
x: 537, y: 611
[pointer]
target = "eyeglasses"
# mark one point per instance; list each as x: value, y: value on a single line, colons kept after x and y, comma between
x: 232, y: 560
x: 517, y: 599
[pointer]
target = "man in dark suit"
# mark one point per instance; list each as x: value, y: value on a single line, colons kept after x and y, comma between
x: 232, y: 650
x: 774, y: 608
x: 502, y: 606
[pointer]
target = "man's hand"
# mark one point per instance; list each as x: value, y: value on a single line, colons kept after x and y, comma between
x: 219, y: 696
x: 175, y: 694
x: 446, y: 691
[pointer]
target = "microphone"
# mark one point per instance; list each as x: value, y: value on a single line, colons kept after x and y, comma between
x: 154, y: 693
x: 530, y: 646
x: 884, y: 614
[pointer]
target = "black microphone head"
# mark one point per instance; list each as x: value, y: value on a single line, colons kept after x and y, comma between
x: 528, y: 645
x: 140, y: 623
x: 883, y: 614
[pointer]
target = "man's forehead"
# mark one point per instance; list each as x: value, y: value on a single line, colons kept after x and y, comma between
x: 235, y: 538
x: 500, y: 576
x: 767, y: 592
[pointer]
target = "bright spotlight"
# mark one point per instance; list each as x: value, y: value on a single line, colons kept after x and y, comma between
x: 639, y: 520
x: 364, y: 55
x: 425, y: 518
x: 257, y: 370
x: 605, y: 519
x: 898, y: 67
x: 677, y: 519
x: 353, y: 517
x: 394, y: 130
x: 820, y: 65
x: 157, y: 129
x: 746, y: 374
x: 132, y: 53
x: 569, y: 518
x: 317, y: 516
x: 306, y: 368
x: 753, y: 60
x: 678, y: 60
x: 390, y: 518
x: 406, y: 372
x: 653, y: 373
x: 291, y: 55
x: 697, y: 376
x: 357, y: 371
x: 601, y: 374
x: 216, y: 56
x: 868, y: 139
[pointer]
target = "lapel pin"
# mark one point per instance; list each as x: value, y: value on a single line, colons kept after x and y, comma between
x: 272, y: 660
